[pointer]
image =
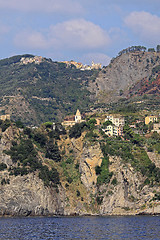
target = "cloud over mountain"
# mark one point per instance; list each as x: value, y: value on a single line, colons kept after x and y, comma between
x: 73, y: 34
x: 145, y: 25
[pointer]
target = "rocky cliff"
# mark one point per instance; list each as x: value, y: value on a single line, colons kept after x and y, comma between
x: 123, y: 73
x: 78, y: 192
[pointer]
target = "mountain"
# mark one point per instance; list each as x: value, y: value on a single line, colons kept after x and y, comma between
x: 124, y: 71
x: 148, y: 85
x: 36, y: 89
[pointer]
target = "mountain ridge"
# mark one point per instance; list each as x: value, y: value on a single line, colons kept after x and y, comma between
x: 36, y: 89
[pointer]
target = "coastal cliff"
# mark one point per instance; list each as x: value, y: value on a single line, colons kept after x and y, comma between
x: 80, y: 190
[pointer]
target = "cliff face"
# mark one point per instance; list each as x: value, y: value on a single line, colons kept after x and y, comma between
x: 27, y: 194
x: 123, y: 73
x: 129, y: 196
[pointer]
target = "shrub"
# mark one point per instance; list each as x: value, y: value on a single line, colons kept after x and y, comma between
x: 77, y: 129
x: 19, y: 124
x: 5, y: 124
x: 49, y: 176
x: 2, y: 166
x: 40, y: 138
x: 78, y: 193
x: 52, y: 151
x: 99, y: 200
x: 69, y: 180
x: 5, y: 181
x: 114, y: 181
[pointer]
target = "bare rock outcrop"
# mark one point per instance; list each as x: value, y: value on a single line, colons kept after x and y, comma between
x: 122, y: 73
x: 27, y: 195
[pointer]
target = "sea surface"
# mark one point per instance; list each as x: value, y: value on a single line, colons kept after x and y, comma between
x: 132, y: 227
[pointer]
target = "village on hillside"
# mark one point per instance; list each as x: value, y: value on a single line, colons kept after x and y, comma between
x: 111, y: 124
x: 83, y: 67
x: 78, y: 65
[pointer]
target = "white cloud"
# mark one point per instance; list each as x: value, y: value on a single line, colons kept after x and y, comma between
x: 78, y: 34
x: 145, y: 25
x: 70, y: 35
x: 31, y: 40
x: 69, y: 6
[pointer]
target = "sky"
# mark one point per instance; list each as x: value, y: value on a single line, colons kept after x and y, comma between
x: 82, y: 31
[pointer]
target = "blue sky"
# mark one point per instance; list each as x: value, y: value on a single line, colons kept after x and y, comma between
x: 83, y: 30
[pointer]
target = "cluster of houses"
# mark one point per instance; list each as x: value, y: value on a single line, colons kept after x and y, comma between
x: 112, y: 125
x: 115, y: 128
x: 36, y: 60
x: 83, y: 67
x: 39, y: 59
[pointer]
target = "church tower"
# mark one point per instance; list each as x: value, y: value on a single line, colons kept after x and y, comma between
x: 78, y: 116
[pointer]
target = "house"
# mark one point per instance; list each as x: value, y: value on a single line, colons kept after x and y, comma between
x: 149, y: 119
x: 117, y: 120
x: 156, y: 127
x: 112, y: 130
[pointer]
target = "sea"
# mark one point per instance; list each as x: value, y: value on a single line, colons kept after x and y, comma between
x: 56, y: 228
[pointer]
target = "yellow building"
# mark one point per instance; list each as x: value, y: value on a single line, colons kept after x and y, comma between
x: 149, y: 119
x: 5, y: 117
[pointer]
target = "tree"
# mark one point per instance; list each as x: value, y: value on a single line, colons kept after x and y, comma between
x: 158, y: 48
x: 151, y: 50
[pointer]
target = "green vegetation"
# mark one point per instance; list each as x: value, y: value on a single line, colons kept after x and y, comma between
x: 77, y: 130
x: 4, y: 124
x: 49, y: 88
x: 5, y: 181
x: 26, y: 158
x: 52, y: 151
x: 103, y: 173
x: 2, y: 166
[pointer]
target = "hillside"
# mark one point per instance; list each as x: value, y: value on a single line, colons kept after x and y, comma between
x: 124, y: 71
x: 78, y: 172
x: 39, y: 91
x: 35, y: 89
x: 147, y: 86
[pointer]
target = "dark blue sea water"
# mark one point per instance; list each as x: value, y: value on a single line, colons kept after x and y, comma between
x: 139, y: 227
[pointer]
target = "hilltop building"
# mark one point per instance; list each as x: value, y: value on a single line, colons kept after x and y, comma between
x: 96, y: 65
x: 83, y: 67
x: 36, y: 60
